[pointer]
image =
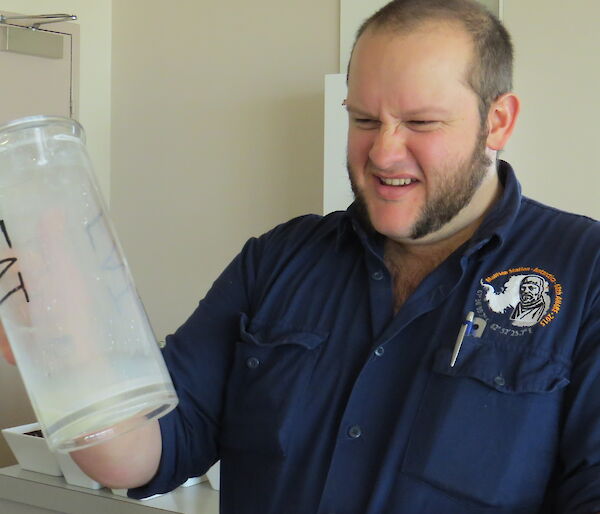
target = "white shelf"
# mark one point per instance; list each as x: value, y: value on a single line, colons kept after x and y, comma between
x: 37, y: 493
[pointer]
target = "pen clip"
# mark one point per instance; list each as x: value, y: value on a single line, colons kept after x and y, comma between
x: 465, y: 330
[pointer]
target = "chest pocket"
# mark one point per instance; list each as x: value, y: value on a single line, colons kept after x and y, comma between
x: 487, y: 429
x: 272, y: 368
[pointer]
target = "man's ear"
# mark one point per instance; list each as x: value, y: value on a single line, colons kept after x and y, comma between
x: 501, y: 120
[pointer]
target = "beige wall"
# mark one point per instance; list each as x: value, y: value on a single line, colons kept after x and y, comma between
x: 217, y: 134
x: 557, y: 75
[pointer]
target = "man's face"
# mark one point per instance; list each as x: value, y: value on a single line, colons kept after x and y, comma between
x: 530, y: 291
x: 416, y: 149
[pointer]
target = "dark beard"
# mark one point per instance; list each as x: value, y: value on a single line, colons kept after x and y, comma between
x: 455, y: 192
x: 361, y: 206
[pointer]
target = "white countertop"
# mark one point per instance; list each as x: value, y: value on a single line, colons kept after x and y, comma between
x: 27, y: 492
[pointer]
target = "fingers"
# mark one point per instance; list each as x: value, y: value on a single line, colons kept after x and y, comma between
x: 5, y: 347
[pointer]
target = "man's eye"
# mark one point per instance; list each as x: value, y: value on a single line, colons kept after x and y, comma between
x: 365, y: 122
x: 423, y: 124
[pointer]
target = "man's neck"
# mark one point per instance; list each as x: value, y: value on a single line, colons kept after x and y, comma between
x: 434, y: 252
x: 410, y: 262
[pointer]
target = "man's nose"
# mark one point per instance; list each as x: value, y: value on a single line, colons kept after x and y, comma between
x: 389, y: 147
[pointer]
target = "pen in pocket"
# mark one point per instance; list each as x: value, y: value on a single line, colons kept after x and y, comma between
x: 465, y: 330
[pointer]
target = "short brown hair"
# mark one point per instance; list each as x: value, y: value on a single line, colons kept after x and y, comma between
x: 490, y: 73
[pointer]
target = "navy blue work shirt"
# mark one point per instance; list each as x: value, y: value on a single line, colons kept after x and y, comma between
x: 296, y: 374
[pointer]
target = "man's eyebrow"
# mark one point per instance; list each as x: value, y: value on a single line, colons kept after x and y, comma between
x: 430, y: 110
x: 356, y: 110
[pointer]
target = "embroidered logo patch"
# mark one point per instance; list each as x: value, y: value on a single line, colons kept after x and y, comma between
x: 516, y: 300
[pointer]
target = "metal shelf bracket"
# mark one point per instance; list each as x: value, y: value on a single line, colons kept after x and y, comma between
x: 43, y: 19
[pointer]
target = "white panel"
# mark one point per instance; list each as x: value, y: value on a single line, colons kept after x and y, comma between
x: 337, y: 194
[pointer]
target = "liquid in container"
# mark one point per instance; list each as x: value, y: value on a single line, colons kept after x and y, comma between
x: 82, y: 341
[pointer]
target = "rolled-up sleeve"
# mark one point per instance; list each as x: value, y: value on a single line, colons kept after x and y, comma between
x: 198, y: 358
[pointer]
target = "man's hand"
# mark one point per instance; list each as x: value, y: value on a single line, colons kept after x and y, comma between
x: 5, y: 347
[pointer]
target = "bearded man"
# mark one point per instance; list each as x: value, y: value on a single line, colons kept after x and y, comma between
x: 532, y: 303
x: 323, y: 368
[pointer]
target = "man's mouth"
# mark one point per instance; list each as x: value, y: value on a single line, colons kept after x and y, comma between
x: 396, y: 181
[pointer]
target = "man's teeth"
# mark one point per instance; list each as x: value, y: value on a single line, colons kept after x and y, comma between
x: 396, y: 181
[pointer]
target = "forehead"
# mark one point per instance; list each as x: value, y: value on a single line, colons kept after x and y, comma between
x: 428, y: 63
x: 530, y: 281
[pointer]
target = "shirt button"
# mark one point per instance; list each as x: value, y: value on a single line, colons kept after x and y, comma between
x: 355, y: 432
x: 380, y: 351
x: 499, y: 381
x: 378, y: 275
x: 252, y: 362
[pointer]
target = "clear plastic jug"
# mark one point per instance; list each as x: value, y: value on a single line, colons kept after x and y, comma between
x: 80, y: 336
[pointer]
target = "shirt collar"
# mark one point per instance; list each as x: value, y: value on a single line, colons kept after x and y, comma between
x: 353, y: 225
x: 490, y: 235
x: 498, y: 222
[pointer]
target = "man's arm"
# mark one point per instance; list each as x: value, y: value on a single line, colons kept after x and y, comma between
x: 580, y: 439
x: 129, y: 460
